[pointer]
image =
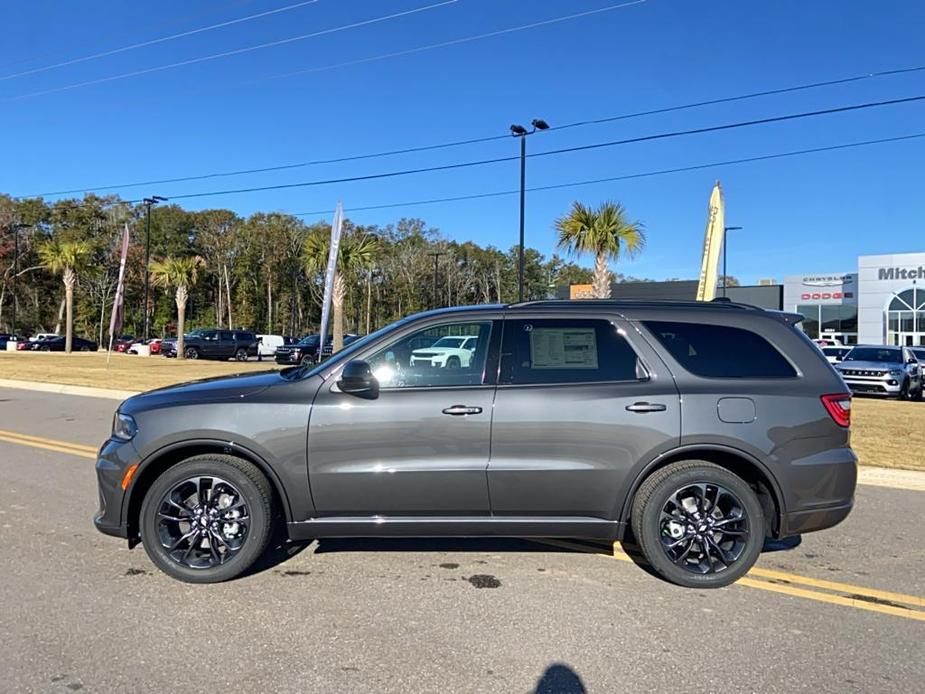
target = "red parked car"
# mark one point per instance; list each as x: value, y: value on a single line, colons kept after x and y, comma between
x: 122, y: 343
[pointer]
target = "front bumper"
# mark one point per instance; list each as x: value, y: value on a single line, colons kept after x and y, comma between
x: 113, y: 460
x: 885, y: 384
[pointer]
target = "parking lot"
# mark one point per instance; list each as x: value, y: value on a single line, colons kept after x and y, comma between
x: 843, y: 611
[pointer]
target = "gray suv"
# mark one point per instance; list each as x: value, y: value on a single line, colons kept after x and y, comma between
x: 699, y: 429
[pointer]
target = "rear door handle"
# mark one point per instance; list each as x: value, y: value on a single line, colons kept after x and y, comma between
x: 646, y: 407
x: 462, y: 409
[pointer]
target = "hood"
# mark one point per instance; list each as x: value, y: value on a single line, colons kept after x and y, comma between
x: 205, y: 390
x: 869, y: 365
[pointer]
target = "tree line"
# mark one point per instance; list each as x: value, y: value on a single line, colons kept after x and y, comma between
x: 263, y: 272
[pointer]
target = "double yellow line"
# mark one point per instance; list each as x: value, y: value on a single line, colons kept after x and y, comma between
x: 795, y: 585
x: 832, y: 592
x: 77, y: 449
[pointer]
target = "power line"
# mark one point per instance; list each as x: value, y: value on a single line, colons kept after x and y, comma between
x: 225, y: 54
x: 492, y: 138
x: 172, y: 22
x: 565, y: 150
x: 624, y: 177
x: 163, y: 39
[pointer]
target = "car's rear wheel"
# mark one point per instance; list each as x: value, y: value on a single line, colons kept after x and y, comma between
x: 191, y: 353
x: 240, y: 355
x: 698, y: 524
x: 207, y: 519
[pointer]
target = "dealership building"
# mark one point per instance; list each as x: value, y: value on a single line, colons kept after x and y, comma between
x: 882, y: 302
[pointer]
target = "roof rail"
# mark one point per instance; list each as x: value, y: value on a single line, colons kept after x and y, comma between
x: 629, y: 303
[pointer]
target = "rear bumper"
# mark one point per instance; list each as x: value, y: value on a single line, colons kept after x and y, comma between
x: 799, y: 522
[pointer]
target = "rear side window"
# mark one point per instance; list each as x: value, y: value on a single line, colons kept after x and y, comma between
x: 719, y: 351
x: 566, y: 351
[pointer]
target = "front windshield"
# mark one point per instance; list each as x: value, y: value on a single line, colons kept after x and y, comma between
x: 886, y: 355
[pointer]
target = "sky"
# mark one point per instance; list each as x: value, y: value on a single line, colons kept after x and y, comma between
x: 86, y: 125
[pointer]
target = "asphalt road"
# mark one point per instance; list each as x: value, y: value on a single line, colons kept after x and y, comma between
x: 80, y: 612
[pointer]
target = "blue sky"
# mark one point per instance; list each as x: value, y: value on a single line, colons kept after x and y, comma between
x: 803, y: 214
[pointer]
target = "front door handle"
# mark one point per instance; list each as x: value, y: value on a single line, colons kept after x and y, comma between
x: 646, y: 407
x: 462, y: 409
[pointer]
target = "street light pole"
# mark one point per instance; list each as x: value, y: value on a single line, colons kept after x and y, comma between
x: 521, y: 132
x: 436, y: 255
x: 148, y: 202
x: 726, y: 230
x: 15, y: 229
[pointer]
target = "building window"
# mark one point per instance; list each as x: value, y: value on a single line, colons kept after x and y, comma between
x: 810, y: 324
x: 906, y: 314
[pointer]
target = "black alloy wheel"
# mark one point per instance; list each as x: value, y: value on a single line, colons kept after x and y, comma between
x: 207, y: 519
x: 698, y: 524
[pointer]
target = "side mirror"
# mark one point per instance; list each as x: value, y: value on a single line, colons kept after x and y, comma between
x: 357, y: 379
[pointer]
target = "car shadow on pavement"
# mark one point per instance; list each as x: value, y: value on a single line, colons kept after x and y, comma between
x: 436, y: 544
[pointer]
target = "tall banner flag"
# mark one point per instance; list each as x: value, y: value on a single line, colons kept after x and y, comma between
x: 337, y: 227
x: 713, y: 240
x: 115, y: 321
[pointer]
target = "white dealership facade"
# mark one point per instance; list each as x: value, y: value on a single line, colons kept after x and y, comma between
x: 882, y: 302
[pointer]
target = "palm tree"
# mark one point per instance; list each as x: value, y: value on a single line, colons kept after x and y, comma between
x: 606, y: 232
x: 181, y: 273
x: 66, y: 258
x: 357, y: 252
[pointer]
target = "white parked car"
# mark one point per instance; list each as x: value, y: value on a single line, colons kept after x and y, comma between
x: 835, y: 354
x: 42, y: 336
x: 450, y: 352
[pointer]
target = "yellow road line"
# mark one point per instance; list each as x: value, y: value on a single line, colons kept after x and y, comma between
x: 52, y: 442
x: 762, y: 580
x: 49, y: 445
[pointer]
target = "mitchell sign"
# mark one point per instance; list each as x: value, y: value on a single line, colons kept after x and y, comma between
x: 901, y: 273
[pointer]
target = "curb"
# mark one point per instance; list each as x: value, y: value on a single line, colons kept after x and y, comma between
x: 63, y: 389
x: 889, y: 477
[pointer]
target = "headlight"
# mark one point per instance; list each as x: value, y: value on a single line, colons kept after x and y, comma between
x: 896, y: 372
x: 124, y: 427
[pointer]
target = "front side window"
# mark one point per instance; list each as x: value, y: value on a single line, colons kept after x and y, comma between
x: 562, y: 350
x: 720, y: 351
x: 445, y: 355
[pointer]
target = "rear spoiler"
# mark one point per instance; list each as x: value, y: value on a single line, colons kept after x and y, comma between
x: 788, y: 317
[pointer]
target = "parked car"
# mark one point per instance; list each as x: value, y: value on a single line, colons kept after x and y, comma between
x: 919, y: 354
x: 268, y: 344
x: 451, y: 352
x: 42, y: 336
x: 6, y: 338
x: 828, y: 342
x: 215, y: 344
x: 57, y: 344
x: 123, y: 342
x: 154, y: 346
x: 882, y: 370
x: 305, y: 351
x: 703, y: 428
x: 835, y: 354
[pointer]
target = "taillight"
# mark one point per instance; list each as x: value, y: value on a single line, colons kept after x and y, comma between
x: 839, y: 408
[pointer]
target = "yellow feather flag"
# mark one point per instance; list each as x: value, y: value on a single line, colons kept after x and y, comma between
x: 712, y: 243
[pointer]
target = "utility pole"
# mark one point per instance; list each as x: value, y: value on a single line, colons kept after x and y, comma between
x: 15, y: 229
x: 726, y: 231
x: 148, y: 202
x: 436, y: 255
x: 521, y: 132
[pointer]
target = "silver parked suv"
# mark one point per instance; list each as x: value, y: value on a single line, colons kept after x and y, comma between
x: 699, y: 429
x: 882, y: 370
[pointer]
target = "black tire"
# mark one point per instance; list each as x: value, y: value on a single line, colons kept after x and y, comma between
x: 240, y: 354
x: 904, y: 390
x: 453, y: 363
x: 253, y: 488
x: 307, y: 360
x: 191, y: 353
x: 84, y: 349
x: 651, y: 527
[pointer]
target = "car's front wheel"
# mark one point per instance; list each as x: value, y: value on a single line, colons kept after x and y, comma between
x: 698, y: 524
x: 207, y: 519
